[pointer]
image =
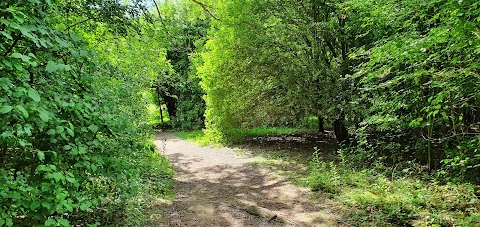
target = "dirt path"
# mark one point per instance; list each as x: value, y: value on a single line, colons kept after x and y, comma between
x: 219, y: 187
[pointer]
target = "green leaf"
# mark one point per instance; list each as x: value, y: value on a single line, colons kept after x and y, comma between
x: 8, y: 36
x: 35, y: 205
x: 33, y: 94
x: 5, y: 109
x: 42, y: 168
x: 61, y: 42
x: 2, y: 222
x: 70, y: 132
x: 7, y: 63
x: 63, y: 222
x: 93, y: 167
x: 50, y: 222
x: 6, y: 134
x: 59, y: 129
x: 67, y: 206
x: 44, y: 115
x: 9, y: 222
x: 51, y: 132
x: 53, y: 67
x: 58, y: 176
x: 85, y: 206
x: 28, y: 129
x: 22, y: 143
x: 23, y: 110
x: 82, y: 150
x: 46, y: 205
x: 41, y: 155
x: 72, y: 180
x: 93, y: 128
x: 18, y: 66
x: 21, y: 56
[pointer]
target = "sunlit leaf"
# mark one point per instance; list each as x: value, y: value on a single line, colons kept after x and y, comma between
x: 33, y: 94
x: 41, y: 155
x: 44, y: 115
x: 35, y: 205
x: 5, y: 109
x: 53, y: 67
x: 22, y: 110
x: 50, y: 222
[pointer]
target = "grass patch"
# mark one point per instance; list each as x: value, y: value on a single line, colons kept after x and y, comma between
x: 196, y: 136
x: 290, y: 165
x: 379, y: 200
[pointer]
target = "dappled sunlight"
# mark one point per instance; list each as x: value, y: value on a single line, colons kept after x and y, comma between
x: 218, y: 187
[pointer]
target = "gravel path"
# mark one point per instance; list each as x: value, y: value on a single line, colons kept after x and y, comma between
x: 220, y: 187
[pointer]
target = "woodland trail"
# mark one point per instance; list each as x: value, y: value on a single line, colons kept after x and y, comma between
x: 221, y: 187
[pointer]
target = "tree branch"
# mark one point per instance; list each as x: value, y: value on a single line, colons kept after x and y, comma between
x: 17, y: 38
x: 206, y: 9
x: 159, y: 14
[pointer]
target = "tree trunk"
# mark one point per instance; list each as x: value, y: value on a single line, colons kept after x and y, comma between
x: 159, y: 100
x: 161, y: 113
x: 171, y: 106
x: 341, y: 132
x: 321, y: 122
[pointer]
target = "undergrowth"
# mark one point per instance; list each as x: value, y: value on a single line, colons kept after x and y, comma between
x: 375, y: 196
x: 381, y: 199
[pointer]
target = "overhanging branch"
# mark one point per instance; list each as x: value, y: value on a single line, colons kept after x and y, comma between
x: 204, y: 7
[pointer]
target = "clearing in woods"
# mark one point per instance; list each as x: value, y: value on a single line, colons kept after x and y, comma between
x: 224, y: 187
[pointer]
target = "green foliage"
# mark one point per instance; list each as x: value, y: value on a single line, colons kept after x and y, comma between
x: 375, y: 199
x: 73, y: 146
x: 421, y: 81
x: 196, y: 136
x: 154, y: 113
x: 463, y: 162
x: 391, y: 70
x: 243, y: 74
x: 403, y: 75
x: 178, y: 88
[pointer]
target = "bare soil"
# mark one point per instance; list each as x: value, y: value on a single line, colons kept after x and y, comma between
x: 224, y: 187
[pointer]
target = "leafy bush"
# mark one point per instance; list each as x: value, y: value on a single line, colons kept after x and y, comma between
x: 74, y: 149
x: 420, y: 83
x: 463, y: 162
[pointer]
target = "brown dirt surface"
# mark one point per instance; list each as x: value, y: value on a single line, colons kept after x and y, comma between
x: 224, y: 187
x: 294, y: 145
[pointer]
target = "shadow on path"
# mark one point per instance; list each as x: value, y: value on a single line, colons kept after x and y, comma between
x: 219, y: 187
